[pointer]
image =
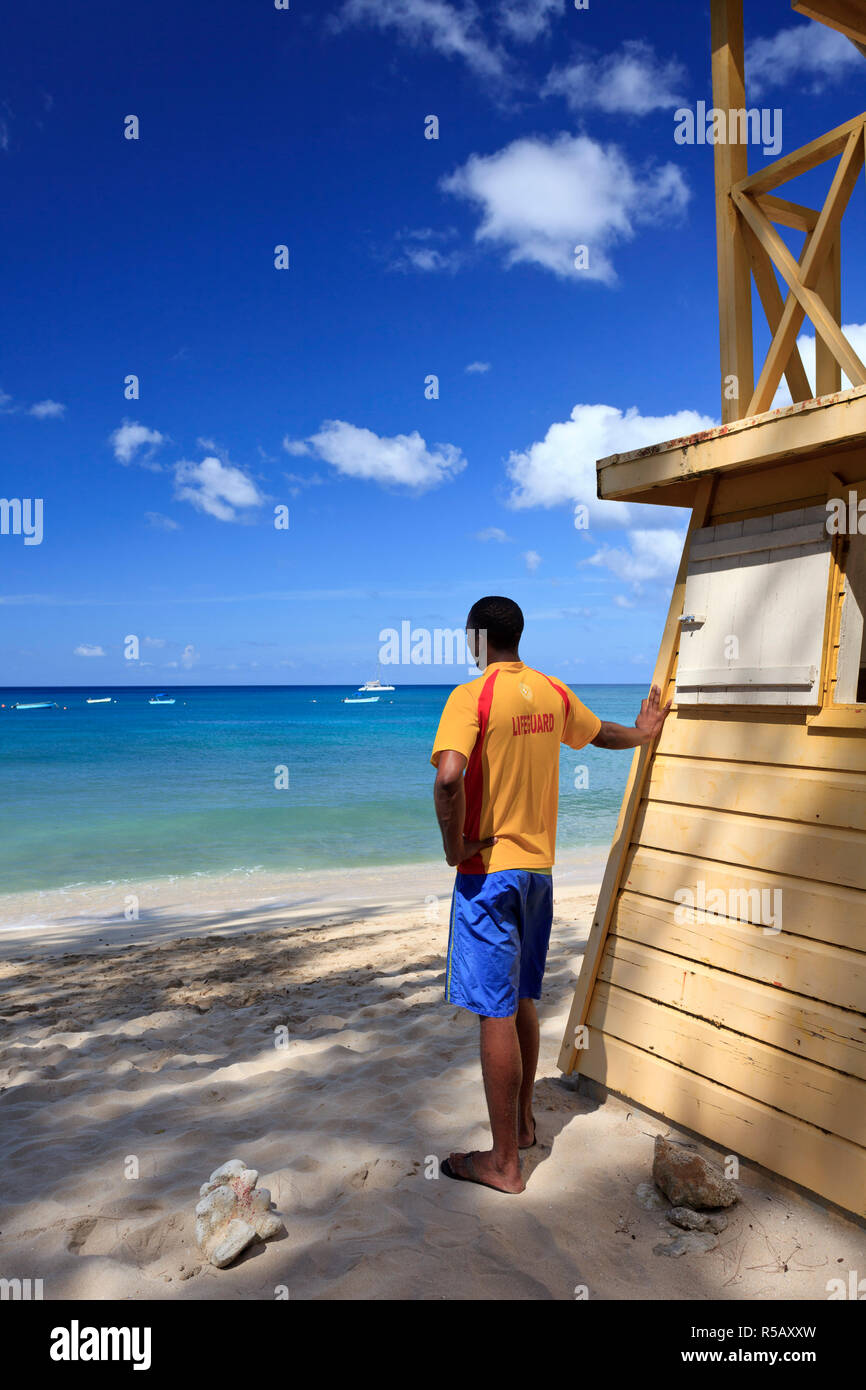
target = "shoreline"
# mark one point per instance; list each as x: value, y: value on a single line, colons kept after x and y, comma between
x: 92, y: 916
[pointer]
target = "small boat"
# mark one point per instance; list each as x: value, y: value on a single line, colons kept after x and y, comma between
x: 36, y: 704
x: 99, y: 700
x: 162, y: 699
x: 365, y: 700
x: 375, y: 686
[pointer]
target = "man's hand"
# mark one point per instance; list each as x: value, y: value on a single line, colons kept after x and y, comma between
x: 653, y: 714
x: 468, y: 848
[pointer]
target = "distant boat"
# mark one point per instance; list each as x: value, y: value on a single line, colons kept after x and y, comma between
x: 375, y: 685
x: 37, y: 704
x: 99, y: 700
x: 365, y: 700
x: 161, y: 699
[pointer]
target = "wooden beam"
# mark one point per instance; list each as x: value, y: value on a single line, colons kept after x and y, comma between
x: 848, y: 16
x: 783, y: 344
x: 807, y: 430
x: 807, y: 298
x: 592, y: 956
x: 803, y: 277
x: 786, y: 213
x: 808, y: 272
x: 771, y: 301
x: 731, y: 166
x: 828, y: 373
x: 790, y: 166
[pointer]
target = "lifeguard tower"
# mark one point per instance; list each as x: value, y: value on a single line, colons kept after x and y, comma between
x: 724, y: 980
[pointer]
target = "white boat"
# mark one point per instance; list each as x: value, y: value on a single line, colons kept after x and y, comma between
x: 161, y: 700
x: 365, y: 700
x: 375, y: 685
x: 99, y: 700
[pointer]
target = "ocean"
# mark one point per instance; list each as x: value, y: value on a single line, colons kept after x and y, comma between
x: 132, y: 792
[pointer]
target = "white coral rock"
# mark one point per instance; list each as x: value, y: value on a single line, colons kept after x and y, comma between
x: 232, y: 1213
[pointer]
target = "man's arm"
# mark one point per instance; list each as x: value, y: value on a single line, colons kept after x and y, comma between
x: 450, y: 801
x: 647, y: 726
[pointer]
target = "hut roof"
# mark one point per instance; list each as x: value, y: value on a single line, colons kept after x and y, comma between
x: 668, y: 473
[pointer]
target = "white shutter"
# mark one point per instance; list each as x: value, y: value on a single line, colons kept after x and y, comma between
x: 752, y: 629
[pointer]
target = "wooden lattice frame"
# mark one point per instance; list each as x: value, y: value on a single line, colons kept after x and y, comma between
x: 813, y: 281
x: 750, y: 246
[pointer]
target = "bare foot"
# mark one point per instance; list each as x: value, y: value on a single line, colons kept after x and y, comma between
x: 479, y: 1166
x: 526, y: 1133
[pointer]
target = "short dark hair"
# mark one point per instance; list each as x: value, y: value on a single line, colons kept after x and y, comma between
x: 500, y: 618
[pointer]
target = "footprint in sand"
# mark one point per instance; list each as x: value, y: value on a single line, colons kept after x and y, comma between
x: 79, y: 1234
x: 380, y: 1173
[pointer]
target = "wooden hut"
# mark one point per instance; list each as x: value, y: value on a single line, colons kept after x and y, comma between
x: 724, y: 981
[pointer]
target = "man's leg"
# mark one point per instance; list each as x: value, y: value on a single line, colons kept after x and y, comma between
x: 502, y: 1070
x: 527, y: 1035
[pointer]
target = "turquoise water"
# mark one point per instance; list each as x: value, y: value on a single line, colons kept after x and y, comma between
x: 132, y: 791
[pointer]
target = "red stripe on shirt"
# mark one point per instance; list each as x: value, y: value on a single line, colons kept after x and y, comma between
x: 563, y: 693
x: 473, y: 782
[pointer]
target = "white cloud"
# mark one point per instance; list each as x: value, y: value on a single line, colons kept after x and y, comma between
x: 129, y: 437
x: 478, y: 367
x: 622, y: 602
x: 47, y: 410
x: 492, y: 533
x: 189, y: 657
x: 856, y: 335
x: 296, y: 447
x: 215, y: 487
x: 533, y: 560
x: 85, y: 650
x: 651, y: 555
x: 634, y: 80
x: 561, y: 467
x: 428, y: 259
x: 160, y: 522
x: 418, y: 250
x: 42, y: 410
x: 538, y: 199
x: 527, y: 20
x: 811, y: 51
x: 402, y: 459
x: 449, y: 29
x: 154, y: 641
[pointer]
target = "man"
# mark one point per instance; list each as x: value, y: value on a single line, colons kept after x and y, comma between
x: 496, y: 756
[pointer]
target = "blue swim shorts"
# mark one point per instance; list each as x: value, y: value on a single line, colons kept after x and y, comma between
x: 498, y: 939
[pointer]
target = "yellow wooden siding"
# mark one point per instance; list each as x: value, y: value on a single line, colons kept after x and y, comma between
x: 744, y: 1126
x: 822, y: 853
x: 825, y: 1098
x: 819, y: 911
x: 755, y: 1039
x: 779, y: 960
x: 767, y: 738
x: 824, y: 1033
x: 825, y: 797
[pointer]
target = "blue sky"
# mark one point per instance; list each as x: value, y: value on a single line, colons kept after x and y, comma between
x: 408, y: 257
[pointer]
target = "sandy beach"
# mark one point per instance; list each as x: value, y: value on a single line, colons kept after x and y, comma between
x: 300, y: 1027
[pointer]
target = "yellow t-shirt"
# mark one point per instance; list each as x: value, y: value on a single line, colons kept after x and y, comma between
x: 509, y: 723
